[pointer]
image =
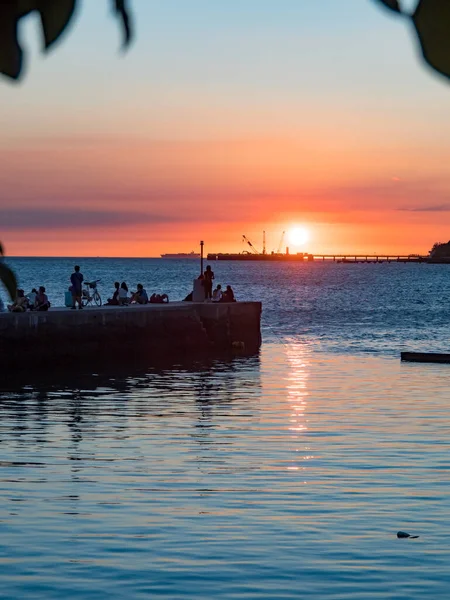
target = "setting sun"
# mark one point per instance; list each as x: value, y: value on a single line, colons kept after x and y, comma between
x: 298, y: 236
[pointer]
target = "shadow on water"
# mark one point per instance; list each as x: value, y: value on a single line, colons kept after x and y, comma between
x: 121, y: 376
x: 112, y: 398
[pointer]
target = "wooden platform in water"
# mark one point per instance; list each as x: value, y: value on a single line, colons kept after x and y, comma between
x: 426, y: 357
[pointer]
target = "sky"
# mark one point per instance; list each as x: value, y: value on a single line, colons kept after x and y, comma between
x: 224, y: 118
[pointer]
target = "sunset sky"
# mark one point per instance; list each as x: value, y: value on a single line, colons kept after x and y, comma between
x: 225, y: 118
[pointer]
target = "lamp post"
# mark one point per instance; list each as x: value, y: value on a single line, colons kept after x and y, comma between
x: 202, y: 243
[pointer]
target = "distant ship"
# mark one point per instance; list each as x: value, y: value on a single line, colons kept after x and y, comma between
x: 182, y: 255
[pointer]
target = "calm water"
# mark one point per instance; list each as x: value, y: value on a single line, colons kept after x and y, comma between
x: 285, y: 475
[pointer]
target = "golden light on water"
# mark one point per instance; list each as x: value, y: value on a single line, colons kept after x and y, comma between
x: 297, y: 396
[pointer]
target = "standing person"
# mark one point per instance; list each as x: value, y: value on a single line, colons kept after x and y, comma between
x: 208, y: 282
x: 76, y: 279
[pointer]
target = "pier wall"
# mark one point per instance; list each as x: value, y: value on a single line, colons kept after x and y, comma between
x: 184, y: 329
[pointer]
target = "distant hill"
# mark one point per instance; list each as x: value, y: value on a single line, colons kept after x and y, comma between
x: 440, y: 250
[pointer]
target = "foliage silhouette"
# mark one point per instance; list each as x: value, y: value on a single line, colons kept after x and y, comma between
x: 431, y: 20
x: 7, y: 276
x: 55, y: 17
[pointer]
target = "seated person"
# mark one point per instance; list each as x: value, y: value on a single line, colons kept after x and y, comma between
x: 41, y: 302
x: 228, y: 295
x: 217, y: 294
x: 140, y: 295
x: 20, y: 304
x: 123, y: 294
x: 159, y: 298
x: 32, y: 298
x: 115, y: 298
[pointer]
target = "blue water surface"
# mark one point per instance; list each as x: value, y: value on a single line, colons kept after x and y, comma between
x: 284, y: 475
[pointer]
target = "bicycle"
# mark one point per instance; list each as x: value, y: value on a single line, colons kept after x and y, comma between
x: 86, y: 297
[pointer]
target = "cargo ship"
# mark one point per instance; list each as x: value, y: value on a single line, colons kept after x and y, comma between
x: 182, y: 255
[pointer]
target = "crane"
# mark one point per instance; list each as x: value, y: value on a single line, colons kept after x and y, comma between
x: 280, y: 245
x: 245, y: 239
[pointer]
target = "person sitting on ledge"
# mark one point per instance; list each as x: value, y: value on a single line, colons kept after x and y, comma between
x: 20, y: 304
x: 228, y: 295
x: 32, y: 298
x: 140, y: 295
x: 217, y: 294
x: 123, y: 294
x: 159, y: 299
x: 114, y: 301
x: 41, y: 302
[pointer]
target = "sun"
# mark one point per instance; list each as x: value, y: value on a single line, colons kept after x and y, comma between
x: 298, y: 236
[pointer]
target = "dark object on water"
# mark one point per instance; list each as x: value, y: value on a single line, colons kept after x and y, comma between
x: 430, y: 357
x: 402, y: 534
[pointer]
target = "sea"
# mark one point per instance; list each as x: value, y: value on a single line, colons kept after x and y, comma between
x: 279, y: 476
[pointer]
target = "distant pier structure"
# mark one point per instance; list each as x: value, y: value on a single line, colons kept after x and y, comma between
x: 336, y: 258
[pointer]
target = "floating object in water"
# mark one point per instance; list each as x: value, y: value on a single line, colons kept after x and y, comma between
x: 431, y: 357
x: 402, y: 534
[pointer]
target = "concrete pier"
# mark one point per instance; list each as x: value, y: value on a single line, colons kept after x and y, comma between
x: 180, y: 329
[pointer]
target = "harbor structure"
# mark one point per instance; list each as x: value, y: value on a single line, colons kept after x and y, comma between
x: 61, y: 337
x: 337, y: 258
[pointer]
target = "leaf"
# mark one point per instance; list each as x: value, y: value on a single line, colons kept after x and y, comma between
x: 392, y: 4
x: 120, y: 7
x: 432, y: 23
x: 11, y: 57
x: 9, y: 280
x: 55, y: 16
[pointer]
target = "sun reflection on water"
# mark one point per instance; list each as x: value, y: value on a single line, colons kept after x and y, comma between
x: 297, y: 398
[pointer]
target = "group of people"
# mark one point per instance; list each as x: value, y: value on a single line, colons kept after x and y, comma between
x: 120, y: 296
x: 223, y: 296
x: 216, y: 295
x: 37, y: 299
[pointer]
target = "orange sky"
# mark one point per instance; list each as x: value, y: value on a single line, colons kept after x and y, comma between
x: 143, y: 198
x: 249, y: 129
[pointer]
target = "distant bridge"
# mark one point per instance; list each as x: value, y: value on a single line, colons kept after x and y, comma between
x: 337, y: 258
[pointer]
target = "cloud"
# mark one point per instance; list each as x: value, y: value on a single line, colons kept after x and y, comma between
x: 46, y: 218
x: 49, y: 218
x: 431, y: 208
